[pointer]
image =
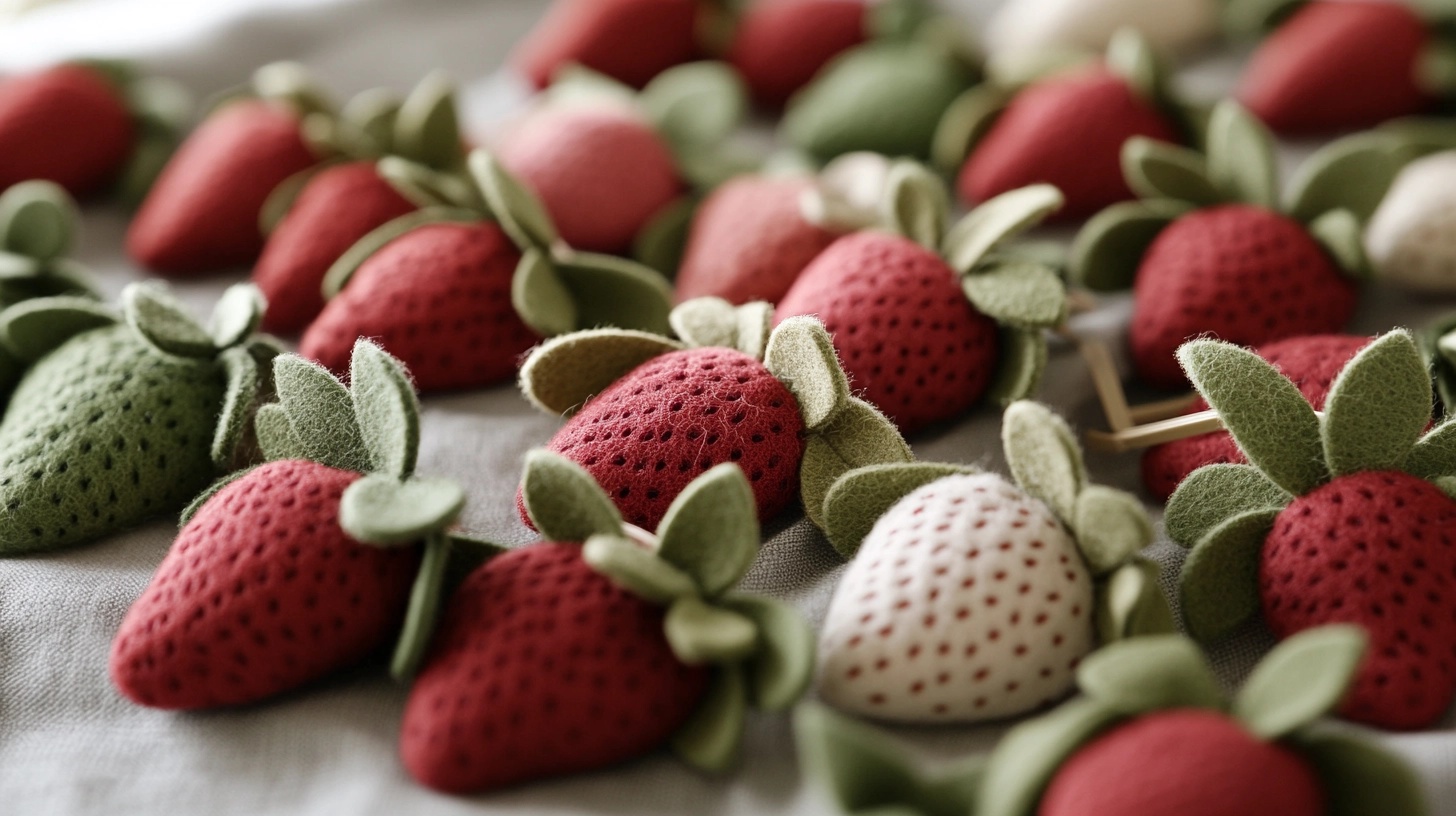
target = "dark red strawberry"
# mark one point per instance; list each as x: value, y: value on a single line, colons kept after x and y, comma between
x: 629, y: 40
x: 68, y: 124
x: 1310, y: 362
x: 781, y: 44
x: 1341, y: 65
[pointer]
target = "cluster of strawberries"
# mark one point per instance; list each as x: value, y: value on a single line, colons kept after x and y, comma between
x: 728, y: 335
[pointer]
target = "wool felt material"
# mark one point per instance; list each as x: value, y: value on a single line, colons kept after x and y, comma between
x: 780, y: 47
x: 564, y: 372
x: 860, y: 436
x: 629, y: 40
x: 1026, y: 28
x: 716, y: 322
x: 858, y: 496
x: 1408, y: 238
x: 1226, y: 490
x: 67, y: 124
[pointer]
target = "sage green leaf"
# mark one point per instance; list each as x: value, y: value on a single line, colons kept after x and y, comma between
x: 290, y: 83
x: 1435, y: 454
x: 237, y: 315
x: 1342, y: 237
x: 700, y: 633
x: 1359, y: 776
x: 33, y: 328
x: 540, y: 298
x: 1111, y: 525
x: 1027, y: 757
x: 1219, y: 585
x: 612, y: 291
x: 386, y: 408
x: 699, y: 103
x: 372, y: 115
x: 564, y: 502
x: 1301, y: 680
x: 136, y: 177
x: 423, y: 611
x: 164, y: 322
x: 1215, y: 493
x: 1158, y: 170
x: 576, y: 83
x: 321, y: 411
x: 561, y: 374
x: 276, y: 438
x: 37, y: 220
x: 1436, y: 66
x: 354, y: 257
x: 1108, y: 250
x: 916, y: 204
x: 706, y: 168
x: 859, y: 436
x: 1023, y: 361
x: 710, y: 531
x: 1247, y: 18
x: 637, y: 569
x: 1241, y: 161
x: 965, y: 122
x: 897, y: 19
x: 520, y: 213
x: 381, y: 510
x: 1351, y: 174
x: 712, y: 738
x: 427, y: 127
x: 1378, y: 407
x: 1131, y: 56
x: 860, y: 497
x: 661, y: 243
x: 1022, y: 294
x: 195, y: 506
x: 425, y: 187
x: 1268, y: 417
x: 780, y: 671
x: 280, y: 201
x: 1003, y: 217
x: 1044, y: 456
x: 237, y: 405
x: 705, y: 322
x: 1130, y: 603
x: 1150, y: 674
x: 755, y: 326
x: 801, y: 354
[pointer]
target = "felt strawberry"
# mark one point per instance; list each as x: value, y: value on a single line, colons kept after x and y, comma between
x: 461, y: 288
x: 1339, y: 518
x: 1023, y: 29
x: 631, y: 41
x: 607, y: 161
x: 970, y: 598
x: 1406, y: 238
x: 1345, y: 65
x: 87, y: 126
x: 117, y: 420
x: 1209, y: 251
x: 202, y: 214
x: 1065, y: 128
x: 648, y: 414
x: 779, y: 45
x: 603, y: 643
x: 293, y: 570
x: 320, y: 213
x: 1311, y: 362
x: 930, y: 322
x: 1153, y: 734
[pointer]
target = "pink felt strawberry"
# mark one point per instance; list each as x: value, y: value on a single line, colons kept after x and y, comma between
x: 1210, y: 251
x: 931, y: 322
x: 294, y: 570
x: 631, y: 41
x: 458, y: 296
x: 1340, y: 518
x: 779, y: 45
x: 603, y: 643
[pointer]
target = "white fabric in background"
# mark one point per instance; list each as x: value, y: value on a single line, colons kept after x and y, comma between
x: 70, y: 745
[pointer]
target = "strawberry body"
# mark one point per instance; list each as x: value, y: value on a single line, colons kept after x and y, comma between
x: 542, y: 667
x: 1409, y: 238
x: 1067, y: 131
x: 1338, y: 66
x: 1311, y: 362
x: 648, y: 435
x: 1238, y: 273
x: 261, y: 593
x: 629, y: 40
x: 904, y: 330
x: 1183, y: 762
x: 1374, y: 549
x: 333, y: 211
x: 602, y: 172
x: 781, y: 44
x: 967, y: 601
x: 66, y: 124
x: 750, y: 241
x: 202, y: 213
x: 439, y: 299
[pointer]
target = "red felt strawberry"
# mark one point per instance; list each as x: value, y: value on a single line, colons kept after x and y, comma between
x: 1310, y: 362
x: 270, y: 585
x: 780, y: 45
x: 459, y: 297
x: 1342, y: 518
x: 631, y: 41
x: 930, y: 326
x: 600, y: 644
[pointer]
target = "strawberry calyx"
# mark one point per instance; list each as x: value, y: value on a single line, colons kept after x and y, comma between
x: 1438, y: 344
x: 160, y: 110
x: 37, y: 230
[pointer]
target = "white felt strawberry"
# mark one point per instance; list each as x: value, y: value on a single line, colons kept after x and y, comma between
x: 1024, y: 27
x: 1411, y: 240
x: 972, y: 598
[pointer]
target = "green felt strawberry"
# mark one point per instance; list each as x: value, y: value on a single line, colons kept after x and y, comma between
x: 119, y: 419
x: 1342, y: 517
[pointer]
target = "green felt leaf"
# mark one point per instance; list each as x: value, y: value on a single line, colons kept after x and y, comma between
x: 563, y: 500
x: 780, y: 671
x: 381, y: 510
x: 520, y: 213
x: 1351, y: 174
x: 1130, y: 603
x: 291, y: 83
x: 276, y: 438
x: 705, y: 168
x: 1215, y: 493
x: 1435, y: 454
x: 701, y: 633
x: 540, y: 298
x: 705, y: 322
x: 612, y: 291
x: 1023, y: 361
x: 577, y: 83
x: 699, y: 103
x: 637, y: 569
x: 423, y: 610
x: 1150, y: 674
x: 1022, y: 294
x: 712, y: 738
x: 897, y: 19
x: 236, y: 315
x: 1343, y: 239
x: 965, y: 122
x: 1044, y: 456
x: 661, y: 243
x: 1241, y: 160
x: 196, y: 505
x: 859, y: 436
x: 801, y: 354
x: 321, y: 412
x: 1269, y: 419
x: 1131, y: 56
x: 1158, y: 170
x: 427, y: 187
x: 857, y: 499
x: 242, y: 393
x: 164, y: 322
x: 37, y: 220
x: 1301, y: 680
x: 33, y: 328
x: 1378, y: 407
x: 280, y: 201
x: 372, y: 115
x: 710, y: 531
x: 386, y: 408
x: 354, y: 257
x: 1108, y: 250
x: 996, y: 221
x: 1111, y: 525
x: 1435, y: 69
x: 1027, y: 757
x: 1219, y: 585
x: 916, y: 203
x: 561, y: 374
x: 1247, y: 18
x: 147, y: 160
x: 1359, y: 776
x: 427, y: 127
x: 755, y: 326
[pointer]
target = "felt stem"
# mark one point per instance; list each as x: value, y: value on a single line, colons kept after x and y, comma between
x: 712, y: 738
x: 423, y: 610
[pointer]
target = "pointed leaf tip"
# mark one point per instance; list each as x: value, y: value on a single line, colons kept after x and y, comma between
x: 1302, y: 679
x: 386, y: 407
x: 711, y: 529
x: 564, y: 501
